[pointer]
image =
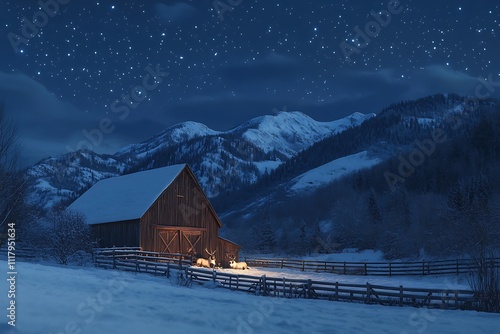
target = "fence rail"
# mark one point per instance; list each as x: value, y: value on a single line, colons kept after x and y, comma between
x: 311, y: 289
x: 440, y: 267
x: 134, y: 259
x: 26, y: 253
x: 163, y: 264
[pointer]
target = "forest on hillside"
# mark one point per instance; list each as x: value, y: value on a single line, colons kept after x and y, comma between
x: 445, y: 202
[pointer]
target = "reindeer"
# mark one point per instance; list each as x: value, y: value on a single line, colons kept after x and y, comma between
x: 210, y: 263
x: 237, y: 265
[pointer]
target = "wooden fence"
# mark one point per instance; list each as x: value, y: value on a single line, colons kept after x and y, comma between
x: 25, y: 253
x: 441, y: 267
x: 163, y: 264
x: 134, y: 259
x: 312, y: 289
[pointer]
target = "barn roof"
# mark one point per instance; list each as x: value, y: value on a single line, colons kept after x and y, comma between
x: 125, y: 197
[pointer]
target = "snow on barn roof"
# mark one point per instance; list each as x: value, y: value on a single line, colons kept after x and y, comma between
x: 124, y: 197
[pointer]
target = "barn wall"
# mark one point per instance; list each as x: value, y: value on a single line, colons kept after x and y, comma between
x: 117, y: 234
x: 182, y: 204
x: 224, y: 249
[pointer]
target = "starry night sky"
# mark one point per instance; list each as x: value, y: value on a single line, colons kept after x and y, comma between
x: 264, y: 56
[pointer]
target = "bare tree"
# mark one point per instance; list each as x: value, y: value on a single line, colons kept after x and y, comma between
x: 12, y: 184
x: 70, y: 236
x: 485, y: 282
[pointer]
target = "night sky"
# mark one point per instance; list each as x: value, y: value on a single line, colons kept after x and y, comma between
x: 137, y: 67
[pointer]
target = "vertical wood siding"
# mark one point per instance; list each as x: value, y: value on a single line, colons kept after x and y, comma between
x: 117, y: 234
x: 224, y: 250
x: 182, y: 204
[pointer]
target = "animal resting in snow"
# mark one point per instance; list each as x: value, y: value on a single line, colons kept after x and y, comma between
x: 210, y: 263
x: 237, y: 265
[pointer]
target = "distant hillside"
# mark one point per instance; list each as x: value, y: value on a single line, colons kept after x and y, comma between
x: 338, y: 191
x: 222, y: 161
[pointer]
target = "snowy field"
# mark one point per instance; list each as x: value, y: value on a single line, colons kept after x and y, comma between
x: 55, y: 299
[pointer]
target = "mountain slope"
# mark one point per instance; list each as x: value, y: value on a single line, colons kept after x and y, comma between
x: 329, y: 172
x: 222, y: 161
x: 55, y: 181
x: 333, y: 179
x: 173, y: 135
x: 226, y: 161
x: 292, y: 132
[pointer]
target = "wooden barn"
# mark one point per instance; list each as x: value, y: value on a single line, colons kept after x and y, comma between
x: 161, y: 210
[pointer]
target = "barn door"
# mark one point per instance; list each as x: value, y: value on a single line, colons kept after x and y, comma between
x: 169, y: 241
x: 190, y: 242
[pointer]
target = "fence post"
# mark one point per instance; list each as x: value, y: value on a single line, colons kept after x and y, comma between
x: 168, y: 270
x: 336, y: 290
x: 309, y: 287
x: 366, y: 269
x: 423, y: 268
x: 401, y: 295
x: 264, y: 285
x: 114, y: 259
x: 303, y: 265
x: 368, y: 292
x: 345, y: 268
x: 214, y: 275
x: 458, y: 270
x: 390, y: 269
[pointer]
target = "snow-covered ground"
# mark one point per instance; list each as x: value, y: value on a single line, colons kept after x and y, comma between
x: 54, y: 299
x: 333, y: 170
x: 348, y: 254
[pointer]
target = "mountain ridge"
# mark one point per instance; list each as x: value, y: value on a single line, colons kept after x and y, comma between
x: 219, y: 158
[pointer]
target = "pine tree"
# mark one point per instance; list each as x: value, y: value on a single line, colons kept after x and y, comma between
x: 284, y: 241
x: 301, y: 245
x: 373, y: 208
x: 263, y: 234
x: 456, y: 197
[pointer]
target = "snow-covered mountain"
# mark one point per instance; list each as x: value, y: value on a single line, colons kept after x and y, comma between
x: 225, y: 161
x: 292, y: 132
x: 176, y: 134
x: 56, y: 180
x: 286, y: 133
x: 222, y: 161
x: 305, y: 180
